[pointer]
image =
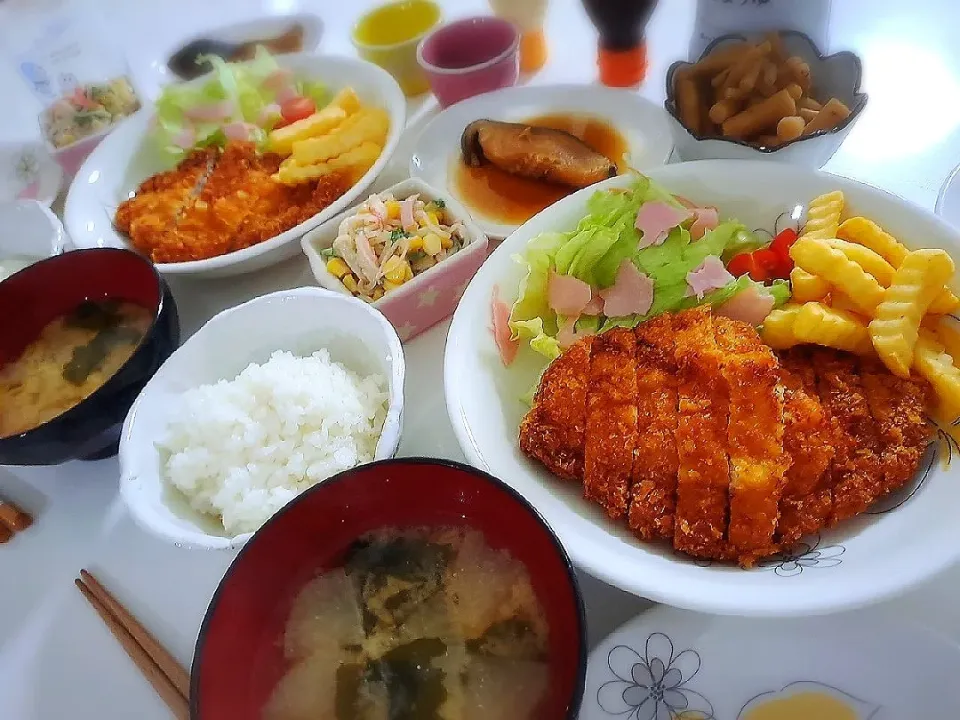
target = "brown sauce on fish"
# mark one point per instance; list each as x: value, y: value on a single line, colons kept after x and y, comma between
x: 510, y: 199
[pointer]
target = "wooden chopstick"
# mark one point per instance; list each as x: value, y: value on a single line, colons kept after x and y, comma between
x: 168, y: 677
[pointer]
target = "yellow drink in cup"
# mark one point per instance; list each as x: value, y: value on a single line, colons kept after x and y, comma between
x: 388, y: 36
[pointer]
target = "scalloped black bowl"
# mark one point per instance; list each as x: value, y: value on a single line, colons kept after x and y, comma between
x: 33, y: 297
x: 838, y: 75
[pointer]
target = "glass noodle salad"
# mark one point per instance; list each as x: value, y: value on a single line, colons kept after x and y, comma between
x: 237, y: 101
x: 88, y: 110
x: 389, y: 241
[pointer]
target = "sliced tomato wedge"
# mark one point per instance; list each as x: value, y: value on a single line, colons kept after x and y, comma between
x: 748, y: 264
x: 783, y: 242
x: 297, y: 109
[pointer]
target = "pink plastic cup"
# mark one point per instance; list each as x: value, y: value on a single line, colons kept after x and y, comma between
x: 469, y: 57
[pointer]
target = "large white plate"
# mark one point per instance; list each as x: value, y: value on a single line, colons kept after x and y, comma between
x: 642, y: 123
x: 667, y: 662
x: 124, y: 159
x: 862, y: 561
x: 948, y: 202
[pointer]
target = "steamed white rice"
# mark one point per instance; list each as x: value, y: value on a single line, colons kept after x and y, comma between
x: 242, y: 449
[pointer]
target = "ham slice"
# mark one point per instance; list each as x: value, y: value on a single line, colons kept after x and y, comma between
x: 594, y: 307
x: 407, y: 219
x: 630, y: 294
x: 656, y: 219
x: 710, y: 275
x: 238, y: 131
x: 567, y: 295
x: 750, y: 305
x: 704, y: 219
x: 500, y: 315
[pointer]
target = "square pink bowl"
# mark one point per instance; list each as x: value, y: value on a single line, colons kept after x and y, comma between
x: 432, y: 295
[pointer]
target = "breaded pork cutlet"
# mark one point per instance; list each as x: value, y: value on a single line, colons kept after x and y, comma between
x: 898, y: 406
x: 654, y: 480
x: 700, y: 522
x: 808, y: 443
x: 553, y: 430
x: 150, y: 216
x: 611, y: 433
x: 754, y: 438
x: 856, y: 474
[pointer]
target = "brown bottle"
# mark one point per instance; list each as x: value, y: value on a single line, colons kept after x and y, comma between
x: 622, y: 51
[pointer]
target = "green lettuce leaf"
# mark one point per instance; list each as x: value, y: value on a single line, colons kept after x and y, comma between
x: 780, y: 289
x: 531, y: 317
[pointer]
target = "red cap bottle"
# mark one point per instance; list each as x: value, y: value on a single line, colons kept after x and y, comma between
x: 622, y: 50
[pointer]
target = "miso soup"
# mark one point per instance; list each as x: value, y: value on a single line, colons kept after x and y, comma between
x: 423, y: 624
x: 74, y: 356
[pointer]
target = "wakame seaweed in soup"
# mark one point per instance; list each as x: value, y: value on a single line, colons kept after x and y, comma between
x: 418, y: 624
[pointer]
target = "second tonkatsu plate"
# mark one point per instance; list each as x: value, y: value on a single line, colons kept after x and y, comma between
x: 850, y: 560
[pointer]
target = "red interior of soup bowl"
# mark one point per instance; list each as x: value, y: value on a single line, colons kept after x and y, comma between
x: 31, y: 299
x: 239, y: 657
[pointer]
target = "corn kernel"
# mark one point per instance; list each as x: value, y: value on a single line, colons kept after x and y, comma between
x: 393, y: 209
x: 434, y: 220
x: 389, y: 286
x: 432, y: 244
x: 349, y: 282
x: 415, y: 243
x: 408, y: 276
x: 392, y: 263
x: 337, y: 267
x: 398, y: 273
x: 446, y: 243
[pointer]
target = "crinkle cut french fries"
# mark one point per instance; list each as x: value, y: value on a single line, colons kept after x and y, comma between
x: 856, y: 287
x: 344, y: 137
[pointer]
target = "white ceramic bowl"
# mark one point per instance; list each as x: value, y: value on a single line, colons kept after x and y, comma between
x: 432, y: 295
x: 124, y: 159
x: 836, y: 75
x: 861, y: 561
x: 642, y: 123
x: 301, y: 321
x: 28, y: 172
x: 29, y: 232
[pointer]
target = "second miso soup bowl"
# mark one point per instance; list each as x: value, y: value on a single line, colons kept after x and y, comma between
x: 239, y: 655
x: 470, y: 57
x: 39, y: 294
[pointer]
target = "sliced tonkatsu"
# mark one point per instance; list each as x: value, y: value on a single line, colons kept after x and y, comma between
x: 808, y: 443
x: 611, y: 432
x: 754, y: 438
x: 700, y: 524
x: 655, y: 464
x: 898, y: 406
x: 553, y: 431
x: 856, y: 475
x: 690, y: 429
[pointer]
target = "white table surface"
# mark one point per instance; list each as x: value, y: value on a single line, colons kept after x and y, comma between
x: 57, y: 660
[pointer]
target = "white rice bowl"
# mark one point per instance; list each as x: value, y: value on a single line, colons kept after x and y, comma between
x: 241, y: 449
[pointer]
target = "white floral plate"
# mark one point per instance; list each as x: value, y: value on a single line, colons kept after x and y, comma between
x: 27, y: 172
x: 668, y: 664
x: 907, y: 538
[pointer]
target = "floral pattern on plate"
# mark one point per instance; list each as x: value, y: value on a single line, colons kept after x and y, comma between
x: 654, y: 685
x: 806, y: 554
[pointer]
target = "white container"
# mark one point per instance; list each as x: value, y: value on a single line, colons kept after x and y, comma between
x: 300, y: 321
x: 719, y: 17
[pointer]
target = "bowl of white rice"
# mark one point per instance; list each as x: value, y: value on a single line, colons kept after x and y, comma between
x: 266, y: 400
